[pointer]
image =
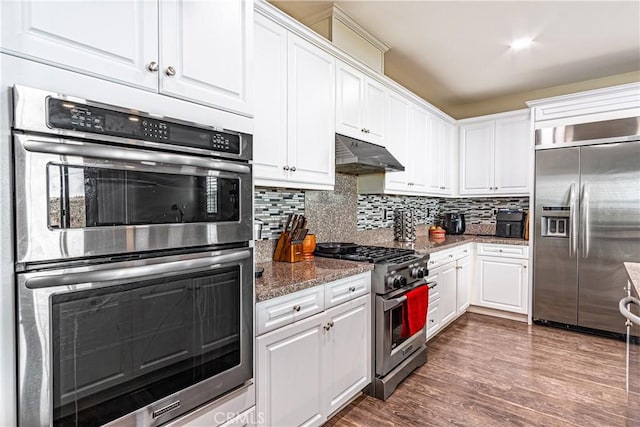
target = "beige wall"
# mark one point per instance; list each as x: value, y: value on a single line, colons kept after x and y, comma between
x: 518, y: 100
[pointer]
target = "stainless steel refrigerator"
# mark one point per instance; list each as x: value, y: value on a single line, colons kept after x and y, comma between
x: 587, y: 222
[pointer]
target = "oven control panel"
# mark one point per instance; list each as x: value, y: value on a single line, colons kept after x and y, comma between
x: 76, y: 116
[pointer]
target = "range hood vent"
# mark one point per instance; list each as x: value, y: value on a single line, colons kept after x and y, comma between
x: 357, y: 157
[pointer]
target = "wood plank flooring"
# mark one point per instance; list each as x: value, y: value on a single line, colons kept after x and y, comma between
x: 486, y: 371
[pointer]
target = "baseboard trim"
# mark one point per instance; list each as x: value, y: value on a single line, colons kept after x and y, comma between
x: 498, y: 313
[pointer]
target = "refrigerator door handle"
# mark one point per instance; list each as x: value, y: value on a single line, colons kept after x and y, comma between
x: 573, y: 232
x: 584, y: 219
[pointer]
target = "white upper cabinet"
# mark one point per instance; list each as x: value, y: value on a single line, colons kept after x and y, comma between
x: 440, y: 161
x: 398, y: 126
x: 115, y: 40
x: 311, y: 106
x: 495, y: 155
x: 294, y: 129
x: 270, y: 86
x: 194, y: 50
x: 205, y: 49
x: 361, y: 105
x: 418, y: 151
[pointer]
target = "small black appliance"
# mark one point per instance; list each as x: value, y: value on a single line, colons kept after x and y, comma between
x: 510, y: 223
x: 454, y: 223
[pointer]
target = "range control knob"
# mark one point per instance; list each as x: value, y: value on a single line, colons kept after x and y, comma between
x: 419, y: 272
x: 396, y: 281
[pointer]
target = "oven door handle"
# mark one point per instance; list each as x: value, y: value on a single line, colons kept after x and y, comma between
x: 126, y: 154
x: 140, y: 272
x: 394, y: 302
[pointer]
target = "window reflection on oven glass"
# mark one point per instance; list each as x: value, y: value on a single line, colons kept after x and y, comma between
x: 82, y: 197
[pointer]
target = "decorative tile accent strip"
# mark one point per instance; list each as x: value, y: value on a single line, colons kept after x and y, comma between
x: 481, y: 210
x: 376, y: 211
x: 272, y: 205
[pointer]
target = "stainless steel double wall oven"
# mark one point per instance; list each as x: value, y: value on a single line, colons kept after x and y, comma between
x: 134, y: 271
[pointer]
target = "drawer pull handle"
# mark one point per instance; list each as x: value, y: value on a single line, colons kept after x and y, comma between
x: 296, y: 308
x: 450, y: 255
x: 352, y: 289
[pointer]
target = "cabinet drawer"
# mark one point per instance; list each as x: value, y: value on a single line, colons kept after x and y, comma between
x: 506, y: 251
x: 439, y: 258
x: 281, y: 311
x: 346, y: 289
x: 434, y: 292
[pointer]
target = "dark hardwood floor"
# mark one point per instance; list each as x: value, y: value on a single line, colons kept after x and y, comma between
x: 486, y: 371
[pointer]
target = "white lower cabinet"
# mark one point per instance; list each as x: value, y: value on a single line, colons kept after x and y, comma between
x: 463, y: 284
x: 447, y: 282
x: 311, y: 368
x: 502, y: 279
x: 290, y: 374
x: 450, y: 297
x: 502, y: 284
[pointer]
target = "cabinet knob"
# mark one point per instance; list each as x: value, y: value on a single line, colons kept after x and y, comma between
x: 293, y: 168
x: 285, y: 168
x: 170, y: 71
x: 450, y: 255
x: 152, y: 66
x: 524, y: 266
x: 352, y: 289
x: 458, y: 268
x: 296, y: 307
x: 329, y: 325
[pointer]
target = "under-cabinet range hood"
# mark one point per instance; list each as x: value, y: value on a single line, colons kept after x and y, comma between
x: 357, y: 157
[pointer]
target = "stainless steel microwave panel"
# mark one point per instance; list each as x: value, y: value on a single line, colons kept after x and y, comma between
x: 40, y: 240
x: 107, y: 284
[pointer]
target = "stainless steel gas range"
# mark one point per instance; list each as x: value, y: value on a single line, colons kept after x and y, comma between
x: 396, y: 273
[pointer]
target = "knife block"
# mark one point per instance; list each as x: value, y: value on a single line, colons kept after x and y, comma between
x: 286, y: 251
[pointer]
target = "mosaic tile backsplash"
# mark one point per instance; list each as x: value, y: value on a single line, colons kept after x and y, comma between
x: 332, y: 215
x: 272, y: 205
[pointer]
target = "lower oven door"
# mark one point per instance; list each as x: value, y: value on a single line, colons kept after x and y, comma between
x: 146, y: 340
x: 80, y: 199
x: 391, y: 347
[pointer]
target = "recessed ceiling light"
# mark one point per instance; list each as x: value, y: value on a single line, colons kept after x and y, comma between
x: 522, y: 43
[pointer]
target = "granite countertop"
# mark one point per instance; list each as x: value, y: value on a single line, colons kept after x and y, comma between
x: 426, y: 245
x: 283, y: 278
x: 633, y: 271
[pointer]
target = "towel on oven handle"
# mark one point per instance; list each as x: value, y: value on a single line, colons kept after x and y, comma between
x: 414, y: 311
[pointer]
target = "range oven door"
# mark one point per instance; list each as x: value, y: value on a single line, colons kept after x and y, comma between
x: 146, y: 340
x: 83, y: 199
x: 391, y: 347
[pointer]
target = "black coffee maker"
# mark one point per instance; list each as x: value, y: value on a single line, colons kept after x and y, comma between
x: 453, y: 223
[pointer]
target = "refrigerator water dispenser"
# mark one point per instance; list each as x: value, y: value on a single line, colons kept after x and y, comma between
x: 555, y: 222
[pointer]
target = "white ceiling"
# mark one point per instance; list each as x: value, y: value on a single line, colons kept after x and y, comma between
x: 457, y: 52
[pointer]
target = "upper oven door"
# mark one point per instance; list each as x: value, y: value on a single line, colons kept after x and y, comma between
x: 78, y: 199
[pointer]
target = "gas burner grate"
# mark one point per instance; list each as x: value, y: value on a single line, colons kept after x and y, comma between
x: 374, y: 254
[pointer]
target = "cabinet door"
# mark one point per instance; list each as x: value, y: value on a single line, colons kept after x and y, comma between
x: 398, y: 125
x: 418, y: 164
x: 512, y: 154
x: 433, y: 162
x: 347, y: 355
x: 503, y: 284
x: 270, y: 85
x: 114, y: 40
x: 311, y: 105
x: 375, y: 111
x: 448, y: 164
x: 476, y: 157
x: 208, y: 44
x: 433, y: 318
x: 289, y: 371
x: 350, y: 101
x: 447, y: 281
x: 463, y: 285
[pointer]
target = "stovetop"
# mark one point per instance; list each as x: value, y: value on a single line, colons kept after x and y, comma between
x: 374, y: 254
